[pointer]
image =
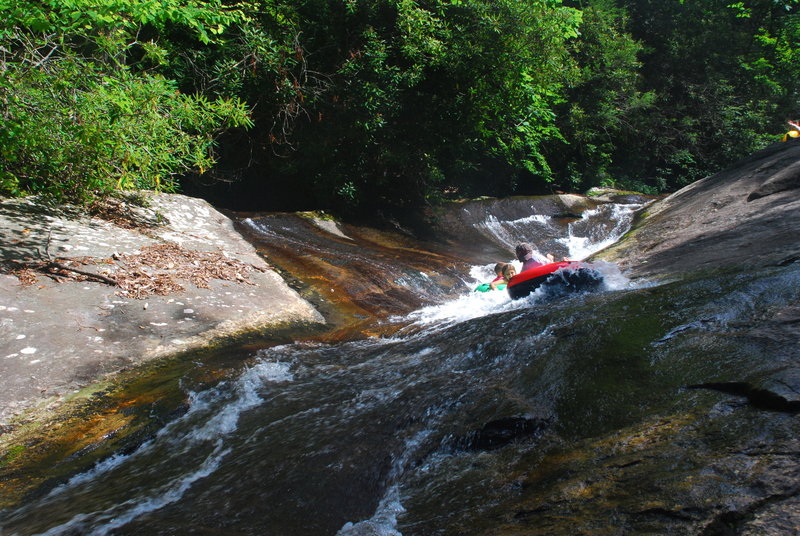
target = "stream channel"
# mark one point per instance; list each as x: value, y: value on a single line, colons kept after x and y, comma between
x: 471, y: 414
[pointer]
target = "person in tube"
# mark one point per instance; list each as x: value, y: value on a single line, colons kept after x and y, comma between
x: 507, y: 271
x: 527, y: 255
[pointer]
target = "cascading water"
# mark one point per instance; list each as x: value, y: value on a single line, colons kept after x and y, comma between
x: 341, y: 406
x: 596, y: 229
x: 450, y: 426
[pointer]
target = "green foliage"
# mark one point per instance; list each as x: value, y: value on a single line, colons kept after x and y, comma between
x: 429, y: 96
x: 372, y: 107
x: 81, y: 118
x: 605, y: 107
x: 69, y: 19
x: 725, y: 78
x: 513, y: 69
x: 258, y: 59
x: 424, y: 99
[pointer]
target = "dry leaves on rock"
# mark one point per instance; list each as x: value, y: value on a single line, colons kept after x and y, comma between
x: 28, y: 271
x: 158, y: 269
x: 27, y: 276
x: 127, y: 213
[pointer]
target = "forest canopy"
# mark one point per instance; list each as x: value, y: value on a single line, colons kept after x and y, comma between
x: 380, y: 107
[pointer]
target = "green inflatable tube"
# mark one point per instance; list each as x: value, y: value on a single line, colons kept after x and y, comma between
x: 484, y: 287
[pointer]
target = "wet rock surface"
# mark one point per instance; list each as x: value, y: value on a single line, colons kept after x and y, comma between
x: 667, y: 409
x: 501, y: 432
x: 733, y: 468
x: 369, y: 272
x: 463, y: 224
x: 61, y: 330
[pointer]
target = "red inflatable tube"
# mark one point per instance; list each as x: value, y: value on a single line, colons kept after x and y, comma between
x: 526, y: 282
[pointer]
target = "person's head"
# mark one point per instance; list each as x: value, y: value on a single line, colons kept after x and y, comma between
x: 524, y: 251
x: 498, y: 268
x: 509, y: 271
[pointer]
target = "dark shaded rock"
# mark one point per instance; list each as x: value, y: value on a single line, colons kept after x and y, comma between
x: 497, y: 434
x: 785, y: 179
x: 759, y: 398
x: 776, y: 518
x: 745, y: 216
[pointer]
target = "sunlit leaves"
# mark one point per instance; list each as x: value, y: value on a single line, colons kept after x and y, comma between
x: 439, y: 94
x: 85, y: 117
x: 206, y: 18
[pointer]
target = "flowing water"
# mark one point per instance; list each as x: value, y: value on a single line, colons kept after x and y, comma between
x: 439, y: 428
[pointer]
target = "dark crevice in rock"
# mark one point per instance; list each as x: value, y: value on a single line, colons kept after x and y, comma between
x: 703, y: 324
x: 788, y: 260
x: 625, y: 465
x: 767, y: 452
x: 757, y: 397
x: 684, y: 514
x: 499, y: 433
x: 525, y: 514
x: 730, y: 523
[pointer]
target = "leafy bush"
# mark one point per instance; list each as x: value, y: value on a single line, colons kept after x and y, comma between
x: 383, y: 106
x: 422, y: 97
x: 82, y: 118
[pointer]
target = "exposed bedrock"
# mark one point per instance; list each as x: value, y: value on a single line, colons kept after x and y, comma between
x: 747, y: 215
x: 186, y: 278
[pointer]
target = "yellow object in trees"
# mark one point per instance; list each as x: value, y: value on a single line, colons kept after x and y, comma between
x: 790, y: 135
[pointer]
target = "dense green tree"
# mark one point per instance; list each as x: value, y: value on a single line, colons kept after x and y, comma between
x: 411, y: 99
x: 725, y: 77
x: 497, y: 89
x: 605, y: 108
x: 83, y: 116
x: 384, y: 106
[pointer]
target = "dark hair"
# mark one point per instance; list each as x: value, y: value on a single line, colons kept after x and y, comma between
x: 522, y: 250
x: 498, y: 268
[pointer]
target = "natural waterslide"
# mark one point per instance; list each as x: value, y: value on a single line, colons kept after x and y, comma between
x: 665, y: 403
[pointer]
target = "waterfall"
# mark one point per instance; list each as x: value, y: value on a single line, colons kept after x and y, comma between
x: 596, y: 229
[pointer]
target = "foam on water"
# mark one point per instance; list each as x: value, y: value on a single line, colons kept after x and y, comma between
x: 102, y: 523
x: 597, y: 229
x: 469, y: 305
x: 383, y: 523
x: 248, y: 385
x: 477, y: 304
x: 585, y: 236
x: 217, y: 409
x: 613, y: 278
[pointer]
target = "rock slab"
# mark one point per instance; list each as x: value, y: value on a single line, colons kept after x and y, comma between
x: 58, y: 334
x: 748, y: 215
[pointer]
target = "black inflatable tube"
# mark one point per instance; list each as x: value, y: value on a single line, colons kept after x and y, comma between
x: 577, y: 277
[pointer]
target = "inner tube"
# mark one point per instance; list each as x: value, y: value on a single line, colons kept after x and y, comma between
x: 485, y: 287
x: 575, y: 276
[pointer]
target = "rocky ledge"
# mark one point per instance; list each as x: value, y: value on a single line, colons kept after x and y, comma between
x: 747, y: 215
x: 82, y: 297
